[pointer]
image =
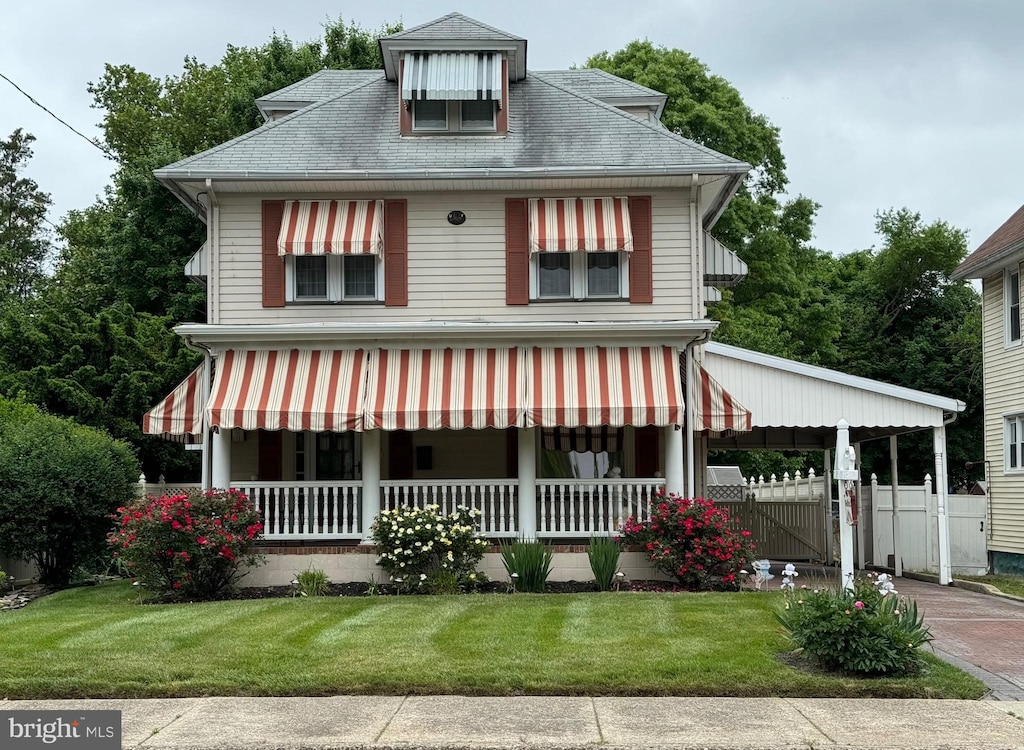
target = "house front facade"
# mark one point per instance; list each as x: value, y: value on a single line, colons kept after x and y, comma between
x: 457, y: 281
x: 998, y: 262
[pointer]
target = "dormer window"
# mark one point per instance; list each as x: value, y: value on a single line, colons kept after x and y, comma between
x: 453, y: 92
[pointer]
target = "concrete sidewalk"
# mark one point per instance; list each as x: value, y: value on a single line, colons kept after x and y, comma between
x: 556, y: 722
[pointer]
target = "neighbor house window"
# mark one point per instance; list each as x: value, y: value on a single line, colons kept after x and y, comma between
x: 1015, y: 443
x: 599, y: 275
x: 430, y: 114
x: 1012, y: 297
x: 335, y: 278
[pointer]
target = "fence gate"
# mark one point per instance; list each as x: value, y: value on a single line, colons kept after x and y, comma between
x: 783, y: 529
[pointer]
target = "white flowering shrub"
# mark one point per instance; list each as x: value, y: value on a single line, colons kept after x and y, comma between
x: 415, y: 546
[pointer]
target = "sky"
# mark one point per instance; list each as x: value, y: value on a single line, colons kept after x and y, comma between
x: 880, y: 104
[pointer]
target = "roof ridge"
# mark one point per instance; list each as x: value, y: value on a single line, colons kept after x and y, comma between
x: 290, y: 86
x: 606, y: 74
x: 656, y: 128
x: 324, y: 73
x: 446, y: 17
x: 269, y: 126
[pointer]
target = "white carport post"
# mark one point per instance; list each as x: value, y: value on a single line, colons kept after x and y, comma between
x: 220, y: 471
x: 527, y: 482
x: 846, y: 474
x: 939, y: 444
x: 370, y: 501
x: 897, y: 538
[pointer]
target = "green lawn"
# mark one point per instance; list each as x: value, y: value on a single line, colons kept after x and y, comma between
x: 1005, y: 583
x: 100, y: 642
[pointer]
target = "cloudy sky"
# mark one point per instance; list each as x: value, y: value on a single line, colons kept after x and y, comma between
x: 880, y: 103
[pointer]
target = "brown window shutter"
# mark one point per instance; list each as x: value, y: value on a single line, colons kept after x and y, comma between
x: 641, y: 270
x: 517, y: 253
x: 396, y: 254
x: 270, y: 468
x: 647, y: 453
x: 273, y: 264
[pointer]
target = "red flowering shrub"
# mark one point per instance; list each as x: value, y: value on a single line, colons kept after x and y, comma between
x: 692, y: 540
x: 189, y: 545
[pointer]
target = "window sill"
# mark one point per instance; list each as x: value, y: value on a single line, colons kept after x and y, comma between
x: 576, y: 300
x: 331, y: 303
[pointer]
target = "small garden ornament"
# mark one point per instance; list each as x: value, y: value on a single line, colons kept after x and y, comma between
x: 788, y: 574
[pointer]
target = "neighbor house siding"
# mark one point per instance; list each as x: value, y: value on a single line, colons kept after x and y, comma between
x: 1004, y: 395
x: 457, y: 272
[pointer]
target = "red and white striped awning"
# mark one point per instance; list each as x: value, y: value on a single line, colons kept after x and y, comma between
x: 717, y: 411
x: 319, y: 390
x: 181, y: 411
x: 561, y: 225
x: 617, y: 386
x: 332, y: 227
x: 433, y: 389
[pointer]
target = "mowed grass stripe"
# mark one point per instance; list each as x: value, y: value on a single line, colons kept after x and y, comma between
x: 101, y: 642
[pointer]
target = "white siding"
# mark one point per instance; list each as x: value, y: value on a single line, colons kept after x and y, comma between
x: 1004, y: 395
x: 456, y: 273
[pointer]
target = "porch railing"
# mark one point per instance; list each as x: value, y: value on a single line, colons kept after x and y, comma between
x: 589, y: 507
x: 494, y: 498
x: 306, y: 510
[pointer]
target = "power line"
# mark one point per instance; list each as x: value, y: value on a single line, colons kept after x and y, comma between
x: 110, y: 154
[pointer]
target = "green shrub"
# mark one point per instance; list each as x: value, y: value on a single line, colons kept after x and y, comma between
x: 312, y: 582
x: 3, y: 581
x: 192, y: 545
x: 60, y: 483
x: 528, y: 564
x: 863, y: 631
x: 604, y: 561
x: 415, y: 543
x: 692, y: 540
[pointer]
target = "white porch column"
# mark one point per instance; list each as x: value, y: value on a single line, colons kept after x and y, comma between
x: 847, y: 474
x: 861, y: 543
x: 897, y: 538
x: 829, y: 537
x: 220, y: 471
x: 674, y: 461
x: 939, y: 444
x: 370, y: 505
x: 527, y: 495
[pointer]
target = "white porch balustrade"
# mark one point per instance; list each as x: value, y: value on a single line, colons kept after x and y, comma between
x: 590, y: 507
x: 306, y: 510
x: 494, y: 498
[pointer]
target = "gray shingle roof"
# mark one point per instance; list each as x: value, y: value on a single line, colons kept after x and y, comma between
x: 453, y: 26
x: 550, y: 127
x: 319, y: 86
x: 597, y: 83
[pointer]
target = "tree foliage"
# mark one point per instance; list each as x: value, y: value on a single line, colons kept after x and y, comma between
x: 59, y: 484
x: 24, y: 241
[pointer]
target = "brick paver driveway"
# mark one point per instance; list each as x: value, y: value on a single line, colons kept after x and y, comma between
x: 975, y: 630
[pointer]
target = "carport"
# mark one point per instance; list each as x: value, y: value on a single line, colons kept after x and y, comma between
x: 796, y: 406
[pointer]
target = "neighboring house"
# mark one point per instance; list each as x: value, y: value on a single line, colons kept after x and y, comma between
x: 455, y: 280
x: 998, y: 262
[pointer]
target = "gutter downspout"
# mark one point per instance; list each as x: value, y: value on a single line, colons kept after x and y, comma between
x: 690, y: 401
x: 208, y: 374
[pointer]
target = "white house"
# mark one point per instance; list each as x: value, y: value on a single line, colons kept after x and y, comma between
x: 457, y: 280
x: 998, y: 262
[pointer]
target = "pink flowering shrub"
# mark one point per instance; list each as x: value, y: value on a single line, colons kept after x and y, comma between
x: 693, y: 540
x: 189, y: 546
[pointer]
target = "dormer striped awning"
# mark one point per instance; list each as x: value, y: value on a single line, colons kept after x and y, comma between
x: 332, y: 227
x: 563, y: 225
x: 452, y: 75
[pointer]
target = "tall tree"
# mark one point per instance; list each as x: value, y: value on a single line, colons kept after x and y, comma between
x: 24, y: 240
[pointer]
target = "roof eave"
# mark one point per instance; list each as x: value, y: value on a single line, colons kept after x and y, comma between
x: 986, y: 266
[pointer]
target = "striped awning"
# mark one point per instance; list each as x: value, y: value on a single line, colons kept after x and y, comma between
x: 590, y: 386
x: 181, y: 411
x: 433, y: 389
x: 331, y: 227
x: 560, y: 225
x: 716, y: 410
x: 452, y: 75
x: 319, y: 390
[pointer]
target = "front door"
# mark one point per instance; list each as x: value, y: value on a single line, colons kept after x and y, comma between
x: 336, y: 455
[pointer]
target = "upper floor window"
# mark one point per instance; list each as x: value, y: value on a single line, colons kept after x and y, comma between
x: 333, y: 250
x: 579, y: 248
x: 1014, y: 441
x: 1011, y: 295
x: 430, y: 114
x: 453, y: 92
x: 477, y: 115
